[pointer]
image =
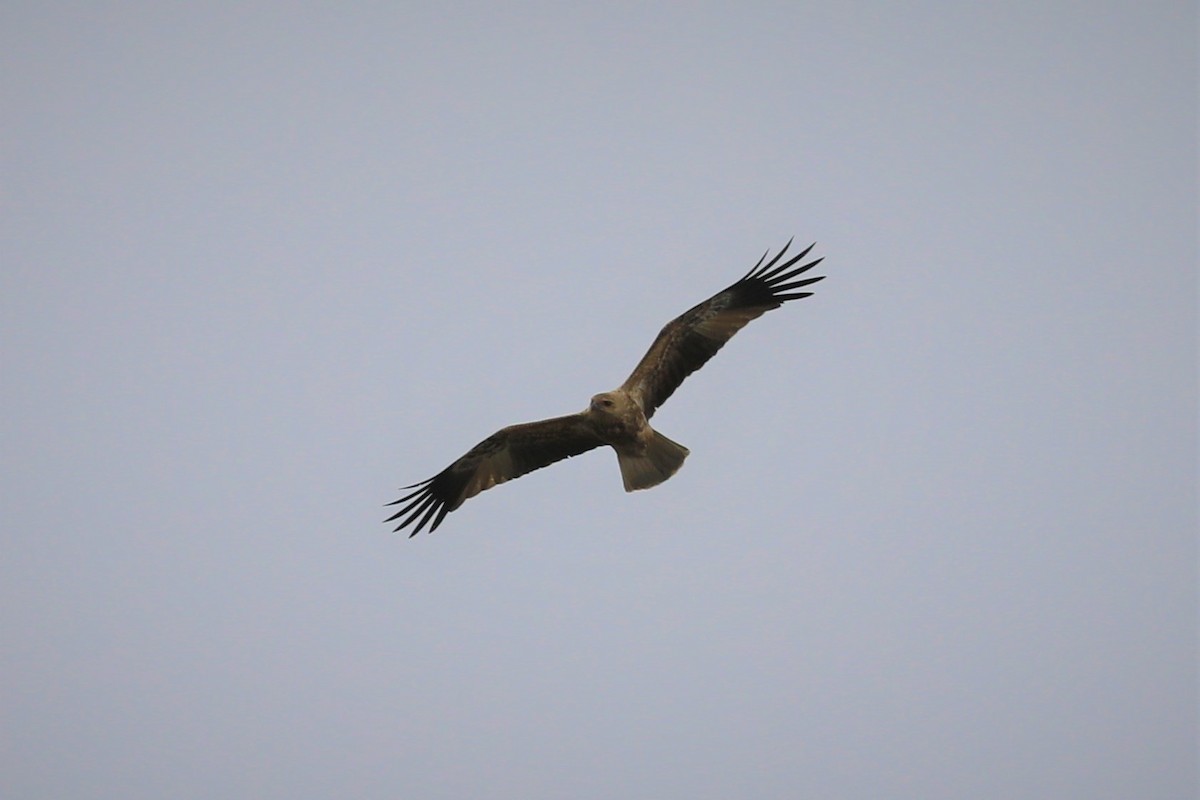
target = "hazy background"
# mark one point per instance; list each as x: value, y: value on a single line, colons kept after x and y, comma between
x: 262, y: 265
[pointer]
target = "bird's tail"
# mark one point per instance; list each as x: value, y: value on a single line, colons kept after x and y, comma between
x: 660, y: 459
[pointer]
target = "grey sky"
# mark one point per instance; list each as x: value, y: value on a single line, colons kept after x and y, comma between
x: 261, y: 266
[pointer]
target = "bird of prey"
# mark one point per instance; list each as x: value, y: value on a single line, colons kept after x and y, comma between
x: 618, y: 418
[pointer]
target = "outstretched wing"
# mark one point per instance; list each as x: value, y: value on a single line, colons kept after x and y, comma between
x: 506, y: 454
x: 690, y: 340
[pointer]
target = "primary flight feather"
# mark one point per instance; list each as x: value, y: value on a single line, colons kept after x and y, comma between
x: 618, y: 418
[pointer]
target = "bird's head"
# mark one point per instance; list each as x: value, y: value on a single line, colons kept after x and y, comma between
x: 617, y: 406
x: 604, y: 403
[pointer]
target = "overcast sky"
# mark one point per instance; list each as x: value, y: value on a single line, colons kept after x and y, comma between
x: 264, y: 263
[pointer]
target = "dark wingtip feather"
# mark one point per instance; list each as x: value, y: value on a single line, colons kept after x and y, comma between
x: 766, y: 253
x: 770, y: 282
x: 420, y: 487
x: 758, y: 269
x: 781, y: 272
x: 783, y: 287
x: 424, y: 504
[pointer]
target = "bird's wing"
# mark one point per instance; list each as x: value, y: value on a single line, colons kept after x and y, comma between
x: 690, y: 340
x: 506, y: 454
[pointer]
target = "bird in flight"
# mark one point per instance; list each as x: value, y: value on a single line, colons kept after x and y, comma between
x: 620, y: 418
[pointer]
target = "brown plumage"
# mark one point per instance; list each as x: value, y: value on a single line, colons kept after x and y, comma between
x: 617, y: 418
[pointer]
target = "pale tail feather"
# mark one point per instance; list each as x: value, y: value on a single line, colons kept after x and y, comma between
x: 661, y: 460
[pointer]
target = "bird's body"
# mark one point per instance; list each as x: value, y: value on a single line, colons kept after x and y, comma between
x: 618, y: 418
x: 647, y: 458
